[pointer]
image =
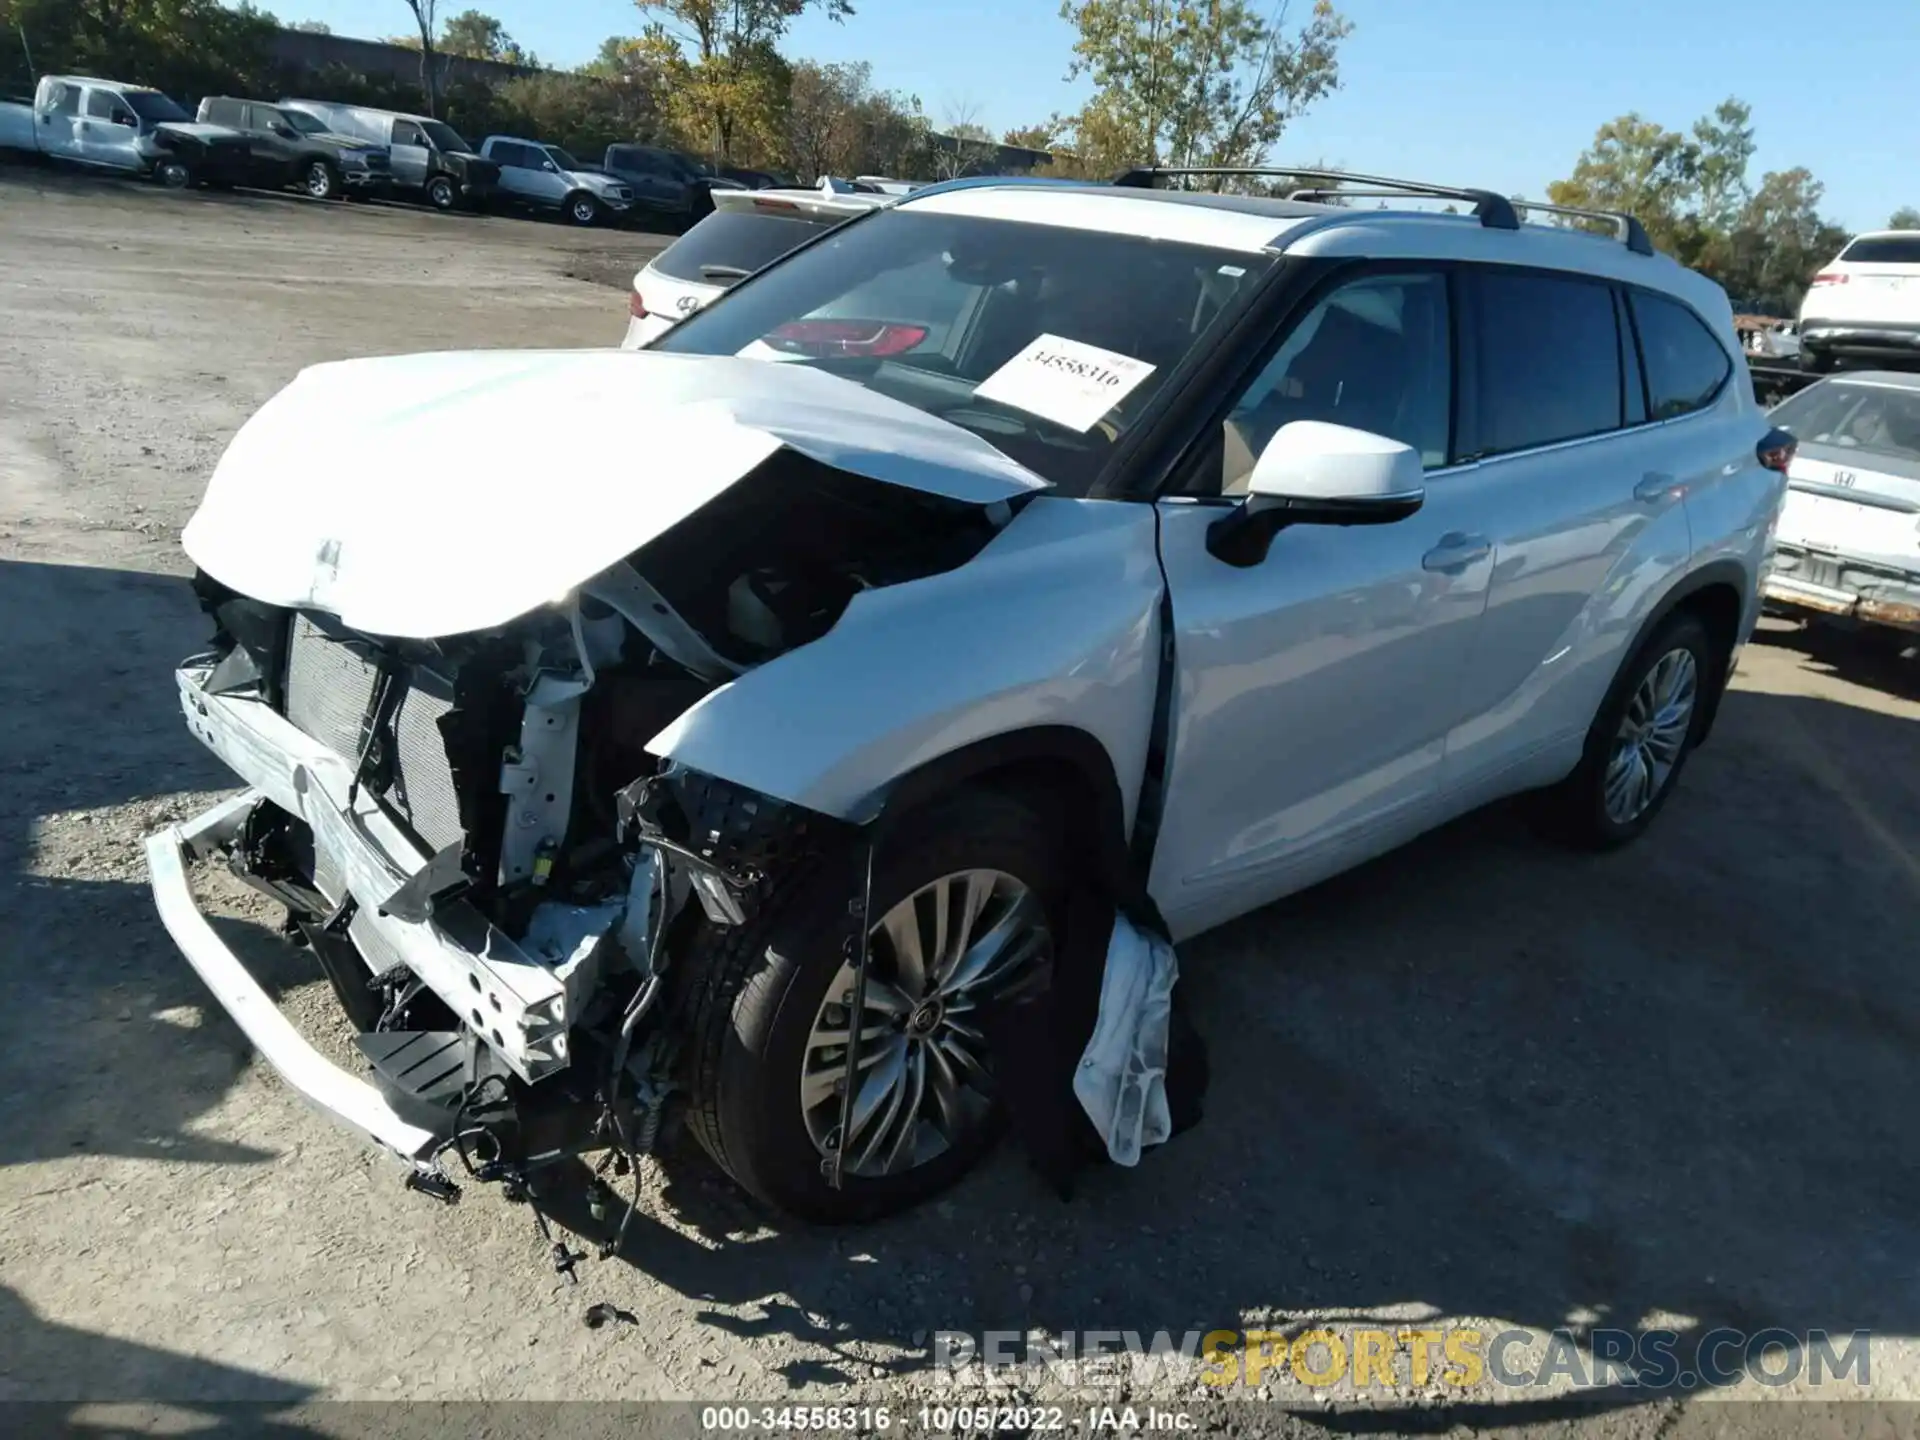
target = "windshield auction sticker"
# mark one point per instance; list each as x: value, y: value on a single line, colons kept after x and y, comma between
x: 1065, y: 381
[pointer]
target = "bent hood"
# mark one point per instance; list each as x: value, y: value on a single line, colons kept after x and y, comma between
x: 425, y: 495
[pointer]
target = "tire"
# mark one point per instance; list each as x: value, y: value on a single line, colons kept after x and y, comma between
x: 581, y: 208
x: 1577, y: 811
x: 318, y: 180
x: 1815, y: 362
x: 441, y: 193
x: 762, y: 994
x: 172, y: 173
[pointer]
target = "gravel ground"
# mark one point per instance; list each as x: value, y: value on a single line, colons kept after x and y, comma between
x: 1477, y: 1081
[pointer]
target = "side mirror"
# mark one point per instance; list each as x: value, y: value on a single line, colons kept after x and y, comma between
x: 1314, y: 473
x: 550, y: 167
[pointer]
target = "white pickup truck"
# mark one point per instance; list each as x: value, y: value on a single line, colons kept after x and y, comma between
x: 107, y: 125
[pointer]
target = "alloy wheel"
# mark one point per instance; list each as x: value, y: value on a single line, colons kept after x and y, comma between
x: 922, y: 1086
x: 319, y: 181
x: 1651, y: 737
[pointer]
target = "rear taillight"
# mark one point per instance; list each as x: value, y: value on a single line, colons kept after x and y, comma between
x: 636, y: 307
x: 1775, y: 450
x: 825, y: 339
x: 1830, y: 277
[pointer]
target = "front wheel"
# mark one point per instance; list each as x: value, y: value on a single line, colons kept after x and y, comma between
x: 441, y: 193
x: 968, y: 893
x: 1640, y: 740
x: 319, y: 181
x: 173, y: 172
x: 583, y: 209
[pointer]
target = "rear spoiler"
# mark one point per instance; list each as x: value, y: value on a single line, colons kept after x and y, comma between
x: 808, y: 204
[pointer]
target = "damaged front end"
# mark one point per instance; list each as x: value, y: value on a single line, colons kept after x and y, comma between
x: 501, y: 882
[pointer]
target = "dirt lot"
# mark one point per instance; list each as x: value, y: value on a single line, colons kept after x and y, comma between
x: 1679, y: 1085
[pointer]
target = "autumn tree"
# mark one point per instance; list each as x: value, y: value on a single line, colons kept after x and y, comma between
x: 1197, y: 82
x: 734, y: 83
x: 838, y: 123
x: 1905, y: 218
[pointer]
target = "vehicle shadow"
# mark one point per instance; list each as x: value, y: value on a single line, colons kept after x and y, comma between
x: 44, y: 1360
x: 1676, y: 1086
x: 1883, y: 660
x: 101, y: 1023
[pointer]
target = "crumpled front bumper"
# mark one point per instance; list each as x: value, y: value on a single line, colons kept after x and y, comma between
x: 522, y: 1006
x: 352, y: 1101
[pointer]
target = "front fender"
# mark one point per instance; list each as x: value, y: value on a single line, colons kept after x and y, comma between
x: 1055, y: 623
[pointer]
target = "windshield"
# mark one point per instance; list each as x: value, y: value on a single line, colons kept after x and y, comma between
x: 1047, y: 342
x: 444, y: 137
x: 153, y: 107
x: 303, y: 122
x: 1874, y: 419
x: 563, y: 159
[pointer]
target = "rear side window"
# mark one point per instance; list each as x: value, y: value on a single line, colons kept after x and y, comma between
x: 64, y: 99
x: 225, y: 112
x: 1685, y: 365
x: 1549, y: 360
x: 1883, y: 250
x: 729, y: 245
x: 520, y: 157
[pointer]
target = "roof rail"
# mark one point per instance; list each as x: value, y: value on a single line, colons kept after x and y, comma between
x: 1494, y: 210
x: 1624, y: 225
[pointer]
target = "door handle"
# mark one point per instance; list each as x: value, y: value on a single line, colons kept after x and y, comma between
x: 1656, y: 486
x: 1455, y: 552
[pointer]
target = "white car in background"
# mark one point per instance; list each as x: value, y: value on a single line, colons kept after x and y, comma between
x: 1776, y: 342
x: 748, y: 229
x: 1848, y: 542
x: 1865, y: 304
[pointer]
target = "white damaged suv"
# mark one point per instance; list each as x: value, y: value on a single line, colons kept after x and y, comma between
x: 1012, y: 564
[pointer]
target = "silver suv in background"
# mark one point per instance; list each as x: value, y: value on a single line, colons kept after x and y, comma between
x: 545, y: 177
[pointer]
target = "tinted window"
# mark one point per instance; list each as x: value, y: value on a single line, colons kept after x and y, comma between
x: 1884, y: 250
x: 1549, y: 360
x: 520, y: 157
x: 298, y: 119
x: 1685, y: 364
x: 1875, y: 419
x: 730, y: 244
x: 1122, y: 311
x: 632, y: 157
x: 405, y: 132
x: 153, y: 107
x: 444, y: 137
x: 1376, y: 355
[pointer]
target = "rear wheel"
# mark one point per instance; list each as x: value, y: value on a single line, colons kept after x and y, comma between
x: 1640, y: 740
x: 441, y: 193
x: 968, y: 893
x: 319, y: 181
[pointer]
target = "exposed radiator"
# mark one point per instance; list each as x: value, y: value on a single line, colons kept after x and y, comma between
x: 330, y: 688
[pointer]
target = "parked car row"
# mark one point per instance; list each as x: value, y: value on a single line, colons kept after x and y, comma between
x: 331, y: 150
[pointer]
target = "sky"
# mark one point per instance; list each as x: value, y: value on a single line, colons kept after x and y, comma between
x: 1500, y: 94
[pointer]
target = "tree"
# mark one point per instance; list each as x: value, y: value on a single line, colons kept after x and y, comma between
x: 1905, y: 218
x: 735, y: 81
x: 312, y: 27
x: 423, y: 17
x: 837, y: 123
x: 1723, y: 142
x: 1641, y: 168
x: 1199, y: 82
x: 482, y: 37
x: 190, y: 47
x: 1043, y: 136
